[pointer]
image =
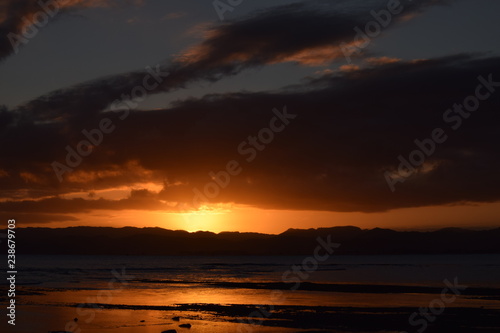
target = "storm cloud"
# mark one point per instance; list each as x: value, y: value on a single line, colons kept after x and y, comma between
x: 351, y: 125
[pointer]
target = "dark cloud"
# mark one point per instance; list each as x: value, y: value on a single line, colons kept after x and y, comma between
x: 138, y: 199
x: 307, y: 33
x: 24, y: 218
x: 350, y: 129
x: 304, y: 33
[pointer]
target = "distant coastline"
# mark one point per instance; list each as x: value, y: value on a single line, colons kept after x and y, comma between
x: 158, y: 241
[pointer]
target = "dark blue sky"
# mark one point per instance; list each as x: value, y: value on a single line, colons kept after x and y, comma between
x: 90, y: 43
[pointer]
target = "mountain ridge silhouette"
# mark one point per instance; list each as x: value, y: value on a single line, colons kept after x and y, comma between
x: 159, y: 241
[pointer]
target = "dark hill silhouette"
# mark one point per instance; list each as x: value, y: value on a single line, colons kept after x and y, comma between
x: 158, y: 241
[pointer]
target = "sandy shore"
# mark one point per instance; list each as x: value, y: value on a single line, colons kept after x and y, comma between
x: 218, y: 318
x: 362, y: 308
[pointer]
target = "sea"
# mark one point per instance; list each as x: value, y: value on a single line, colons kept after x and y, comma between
x: 143, y: 293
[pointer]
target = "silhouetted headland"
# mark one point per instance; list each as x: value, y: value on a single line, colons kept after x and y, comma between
x: 158, y: 241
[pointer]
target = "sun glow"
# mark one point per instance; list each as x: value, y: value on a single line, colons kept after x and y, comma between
x: 206, y: 218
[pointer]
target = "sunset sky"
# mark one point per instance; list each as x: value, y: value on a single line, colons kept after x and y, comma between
x: 158, y: 113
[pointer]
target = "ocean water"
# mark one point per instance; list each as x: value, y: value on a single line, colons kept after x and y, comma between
x: 62, y: 271
x: 131, y: 288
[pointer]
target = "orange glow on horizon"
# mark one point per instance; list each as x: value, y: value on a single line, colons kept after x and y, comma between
x: 206, y: 218
x: 219, y: 218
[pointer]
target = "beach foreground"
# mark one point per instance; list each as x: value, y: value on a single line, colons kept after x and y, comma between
x: 124, y: 294
x: 216, y: 318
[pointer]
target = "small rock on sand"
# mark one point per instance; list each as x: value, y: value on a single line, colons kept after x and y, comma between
x: 176, y: 318
x: 185, y: 325
x: 169, y: 331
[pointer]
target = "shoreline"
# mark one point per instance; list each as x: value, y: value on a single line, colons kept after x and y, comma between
x: 275, y: 318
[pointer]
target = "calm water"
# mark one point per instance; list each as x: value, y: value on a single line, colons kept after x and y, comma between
x: 52, y: 285
x: 76, y: 271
